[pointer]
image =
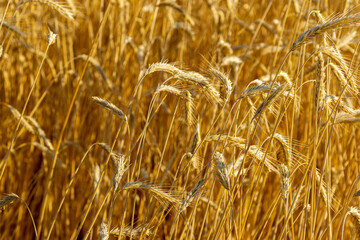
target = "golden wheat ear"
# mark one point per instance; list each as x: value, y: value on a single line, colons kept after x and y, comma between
x: 192, y: 195
x: 109, y: 106
x: 322, y: 28
x: 355, y: 218
x: 60, y: 7
x: 104, y: 231
x: 221, y: 170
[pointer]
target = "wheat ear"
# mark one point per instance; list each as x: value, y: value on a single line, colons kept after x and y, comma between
x: 323, y: 28
x: 221, y: 170
x: 192, y: 195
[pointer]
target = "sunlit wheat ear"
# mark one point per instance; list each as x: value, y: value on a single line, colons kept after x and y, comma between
x: 323, y: 191
x: 161, y: 67
x: 7, y: 200
x: 133, y: 232
x: 202, y: 83
x: 284, y: 152
x: 51, y: 38
x: 189, y: 109
x: 224, y: 80
x: 234, y: 167
x: 109, y: 106
x: 345, y: 117
x: 321, y: 20
x: 355, y: 217
x: 192, y: 195
x: 325, y: 27
x: 232, y: 141
x: 348, y: 120
x: 104, y: 231
x: 119, y: 171
x: 60, y: 7
x: 282, y: 75
x: 161, y: 195
x: 274, y: 95
x: 332, y: 101
x: 285, y: 182
x: 347, y: 73
x: 170, y: 89
x: 183, y: 94
x: 259, y: 155
x: 339, y: 74
x: 320, y: 83
x: 230, y: 61
x: 96, y: 178
x: 254, y: 90
x: 225, y: 45
x: 254, y: 151
x: 221, y: 170
x: 196, y: 140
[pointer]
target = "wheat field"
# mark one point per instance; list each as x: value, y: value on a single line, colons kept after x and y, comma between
x: 186, y: 119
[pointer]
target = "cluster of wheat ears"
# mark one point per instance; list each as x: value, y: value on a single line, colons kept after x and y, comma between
x: 156, y: 119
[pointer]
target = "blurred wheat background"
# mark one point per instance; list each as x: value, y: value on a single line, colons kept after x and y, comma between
x: 152, y: 119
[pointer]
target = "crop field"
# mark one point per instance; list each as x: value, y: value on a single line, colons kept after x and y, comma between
x: 186, y: 119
